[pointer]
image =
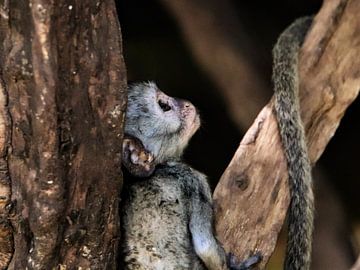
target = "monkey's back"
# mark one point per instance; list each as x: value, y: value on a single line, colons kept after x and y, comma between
x: 155, y: 221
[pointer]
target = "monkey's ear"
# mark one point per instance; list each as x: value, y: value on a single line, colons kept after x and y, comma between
x: 136, y: 159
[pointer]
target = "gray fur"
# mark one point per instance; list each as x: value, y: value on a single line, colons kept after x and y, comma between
x: 168, y: 222
x: 164, y: 134
x: 286, y: 84
x: 167, y: 218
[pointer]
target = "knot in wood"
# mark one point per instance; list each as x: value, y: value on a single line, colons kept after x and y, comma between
x: 241, y: 181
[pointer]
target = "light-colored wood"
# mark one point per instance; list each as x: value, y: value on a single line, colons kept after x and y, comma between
x: 252, y: 196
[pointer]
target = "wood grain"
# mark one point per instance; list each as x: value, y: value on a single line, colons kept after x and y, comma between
x: 252, y: 196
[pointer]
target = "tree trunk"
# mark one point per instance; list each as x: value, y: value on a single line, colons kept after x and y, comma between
x: 64, y: 91
x: 251, y: 212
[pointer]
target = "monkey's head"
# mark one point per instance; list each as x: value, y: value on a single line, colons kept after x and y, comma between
x: 163, y: 124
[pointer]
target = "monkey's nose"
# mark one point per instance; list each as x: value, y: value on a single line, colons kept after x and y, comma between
x: 184, y: 103
x: 188, y: 106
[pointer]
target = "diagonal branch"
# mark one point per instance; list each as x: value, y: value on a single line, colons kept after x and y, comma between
x: 252, y: 195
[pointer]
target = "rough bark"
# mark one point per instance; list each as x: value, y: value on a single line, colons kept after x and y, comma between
x: 251, y: 212
x: 218, y: 42
x: 6, y: 237
x: 65, y: 78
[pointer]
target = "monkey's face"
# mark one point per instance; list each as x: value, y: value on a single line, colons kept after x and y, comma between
x: 162, y: 123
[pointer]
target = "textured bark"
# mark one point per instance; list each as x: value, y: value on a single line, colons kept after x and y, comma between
x: 218, y: 42
x: 250, y: 211
x: 65, y: 77
x: 6, y: 237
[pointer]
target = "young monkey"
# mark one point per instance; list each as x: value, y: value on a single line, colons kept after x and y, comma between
x: 167, y: 217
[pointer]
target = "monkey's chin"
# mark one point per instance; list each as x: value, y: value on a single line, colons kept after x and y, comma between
x: 196, y: 122
x: 188, y: 129
x: 194, y: 126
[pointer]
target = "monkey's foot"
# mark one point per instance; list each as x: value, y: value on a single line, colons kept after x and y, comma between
x: 138, y: 161
x: 245, y: 265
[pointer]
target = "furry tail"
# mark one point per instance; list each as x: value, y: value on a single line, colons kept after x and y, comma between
x: 286, y: 84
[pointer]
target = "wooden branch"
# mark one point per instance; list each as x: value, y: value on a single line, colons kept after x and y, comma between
x: 252, y: 196
x: 215, y: 36
x: 62, y: 66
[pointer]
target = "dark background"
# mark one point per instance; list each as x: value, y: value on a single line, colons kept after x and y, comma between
x: 154, y: 49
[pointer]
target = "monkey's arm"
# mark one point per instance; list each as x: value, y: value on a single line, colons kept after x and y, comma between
x: 201, y: 227
x: 201, y: 218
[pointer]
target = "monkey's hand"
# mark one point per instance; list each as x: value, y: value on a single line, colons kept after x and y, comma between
x: 136, y: 159
x: 249, y: 263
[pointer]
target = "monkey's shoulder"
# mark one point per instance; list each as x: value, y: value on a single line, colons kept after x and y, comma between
x: 177, y: 170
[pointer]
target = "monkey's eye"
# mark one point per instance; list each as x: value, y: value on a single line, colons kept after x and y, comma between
x: 165, y: 107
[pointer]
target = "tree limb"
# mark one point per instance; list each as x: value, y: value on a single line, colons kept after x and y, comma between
x: 250, y: 211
